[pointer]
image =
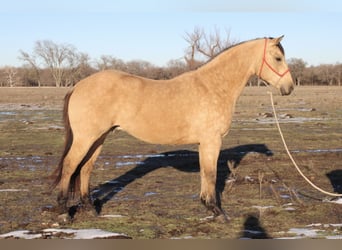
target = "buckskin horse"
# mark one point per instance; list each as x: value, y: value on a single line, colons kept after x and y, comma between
x: 195, y: 107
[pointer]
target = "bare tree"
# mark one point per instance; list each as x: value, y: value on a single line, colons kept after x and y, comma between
x: 325, y: 72
x: 10, y: 76
x: 32, y: 63
x: 193, y: 39
x: 175, y: 68
x: 109, y: 62
x: 297, y: 67
x: 203, y: 46
x: 337, y: 68
x: 79, y: 68
x: 58, y: 58
x: 139, y: 67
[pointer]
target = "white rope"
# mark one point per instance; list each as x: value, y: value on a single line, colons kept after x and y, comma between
x: 289, y: 154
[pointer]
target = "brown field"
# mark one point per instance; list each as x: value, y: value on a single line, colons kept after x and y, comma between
x: 151, y: 191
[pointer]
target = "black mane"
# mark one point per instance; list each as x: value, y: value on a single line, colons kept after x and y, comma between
x: 281, y: 48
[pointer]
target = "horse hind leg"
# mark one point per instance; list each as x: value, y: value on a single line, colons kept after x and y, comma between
x: 87, y: 168
x: 69, y: 171
x: 79, y: 181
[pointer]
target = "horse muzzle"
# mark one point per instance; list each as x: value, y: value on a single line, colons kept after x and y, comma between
x: 286, y: 90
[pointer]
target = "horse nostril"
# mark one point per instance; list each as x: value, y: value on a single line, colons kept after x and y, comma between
x: 282, y: 91
x: 285, y: 91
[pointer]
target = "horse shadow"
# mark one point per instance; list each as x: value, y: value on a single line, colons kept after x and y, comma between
x: 182, y: 160
x: 252, y: 229
x: 335, y: 178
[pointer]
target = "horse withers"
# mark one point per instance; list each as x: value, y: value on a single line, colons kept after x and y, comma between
x: 193, y: 108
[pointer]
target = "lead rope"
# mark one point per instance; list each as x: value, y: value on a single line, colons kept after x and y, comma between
x: 289, y: 154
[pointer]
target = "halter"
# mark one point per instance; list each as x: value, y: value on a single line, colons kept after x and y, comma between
x: 269, y: 65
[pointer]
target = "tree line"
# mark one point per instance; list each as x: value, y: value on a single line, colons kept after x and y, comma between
x: 62, y: 65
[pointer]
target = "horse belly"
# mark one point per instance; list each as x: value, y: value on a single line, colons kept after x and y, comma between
x: 161, y: 130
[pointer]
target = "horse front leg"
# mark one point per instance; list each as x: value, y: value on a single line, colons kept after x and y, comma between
x: 208, y: 154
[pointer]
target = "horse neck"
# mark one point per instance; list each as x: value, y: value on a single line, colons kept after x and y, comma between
x: 228, y: 73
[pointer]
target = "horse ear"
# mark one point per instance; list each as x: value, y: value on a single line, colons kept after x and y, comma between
x: 278, y: 40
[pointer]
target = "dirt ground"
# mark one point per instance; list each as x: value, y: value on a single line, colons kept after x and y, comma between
x: 152, y: 191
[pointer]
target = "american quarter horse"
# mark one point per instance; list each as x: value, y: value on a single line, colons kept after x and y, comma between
x: 193, y: 108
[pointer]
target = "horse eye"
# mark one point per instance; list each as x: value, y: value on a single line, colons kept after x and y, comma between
x: 278, y: 59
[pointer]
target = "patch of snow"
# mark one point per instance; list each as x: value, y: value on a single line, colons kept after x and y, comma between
x: 337, y: 201
x: 150, y: 193
x: 14, y: 190
x: 248, y: 178
x: 7, y: 113
x: 129, y: 163
x: 182, y: 238
x: 336, y: 225
x: 262, y: 207
x: 111, y: 216
x: 140, y: 156
x: 331, y: 150
x: 289, y: 120
x: 70, y: 234
x: 253, y: 231
x: 314, y: 225
x: 304, y: 232
x: 112, y: 182
x: 211, y: 217
x: 334, y: 237
x: 285, y: 196
x: 290, y: 209
x: 85, y: 233
x: 21, y: 234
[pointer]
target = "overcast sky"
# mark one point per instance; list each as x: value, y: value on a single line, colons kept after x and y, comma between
x: 153, y: 30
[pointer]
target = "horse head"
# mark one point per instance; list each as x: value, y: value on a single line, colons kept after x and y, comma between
x: 274, y: 69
